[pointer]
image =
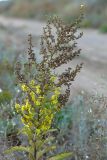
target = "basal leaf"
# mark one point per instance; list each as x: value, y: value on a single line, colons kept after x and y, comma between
x: 17, y: 148
x: 41, y: 143
x: 61, y: 156
x: 50, y: 131
x: 40, y: 153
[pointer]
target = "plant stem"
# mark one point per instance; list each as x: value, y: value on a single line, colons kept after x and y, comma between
x: 35, y: 153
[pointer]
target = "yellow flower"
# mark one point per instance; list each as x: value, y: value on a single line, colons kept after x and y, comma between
x: 38, y: 90
x: 23, y: 121
x: 53, y: 78
x: 43, y: 112
x: 32, y: 82
x: 53, y: 97
x: 17, y: 106
x: 27, y: 118
x: 47, y: 117
x: 23, y: 108
x: 30, y: 124
x: 44, y: 127
x: 32, y: 94
x: 57, y: 92
x: 31, y: 115
x: 54, y: 101
x: 41, y: 97
x: 46, y: 112
x: 24, y: 87
x: 28, y: 105
x: 37, y: 103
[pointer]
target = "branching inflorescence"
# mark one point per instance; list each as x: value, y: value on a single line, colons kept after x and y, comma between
x: 56, y: 50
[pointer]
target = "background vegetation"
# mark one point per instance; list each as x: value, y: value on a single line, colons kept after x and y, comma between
x: 95, y: 10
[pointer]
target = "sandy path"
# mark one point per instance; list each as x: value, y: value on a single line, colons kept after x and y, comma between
x: 93, y: 77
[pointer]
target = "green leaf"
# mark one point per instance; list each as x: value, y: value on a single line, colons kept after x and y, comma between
x: 50, y: 131
x: 49, y: 139
x: 61, y: 156
x: 41, y: 143
x: 40, y: 153
x: 17, y: 148
x: 26, y: 132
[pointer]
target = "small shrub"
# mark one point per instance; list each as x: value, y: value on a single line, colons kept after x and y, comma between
x: 83, y: 127
x: 103, y: 28
x: 5, y: 96
x: 9, y: 123
x: 86, y: 24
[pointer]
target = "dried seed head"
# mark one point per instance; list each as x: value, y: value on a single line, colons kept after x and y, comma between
x: 56, y: 50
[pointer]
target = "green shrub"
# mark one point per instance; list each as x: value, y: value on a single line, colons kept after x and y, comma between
x: 5, y: 96
x: 103, y: 28
x: 7, y: 127
x: 86, y: 24
x: 7, y: 110
x: 83, y: 128
x: 9, y: 124
x: 95, y: 10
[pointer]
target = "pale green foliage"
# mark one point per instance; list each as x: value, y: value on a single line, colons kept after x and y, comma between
x: 83, y: 127
x: 8, y: 119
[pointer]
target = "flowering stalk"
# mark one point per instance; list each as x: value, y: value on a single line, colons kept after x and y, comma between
x: 38, y: 110
x: 42, y: 87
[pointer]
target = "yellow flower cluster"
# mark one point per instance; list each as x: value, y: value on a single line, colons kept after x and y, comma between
x: 29, y: 110
x: 26, y: 111
x: 38, y: 90
x: 54, y: 98
x: 24, y: 88
x: 46, y: 116
x: 17, y: 106
x: 32, y: 85
x: 33, y: 97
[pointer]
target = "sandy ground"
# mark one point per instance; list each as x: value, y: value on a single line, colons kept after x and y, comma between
x: 93, y: 77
